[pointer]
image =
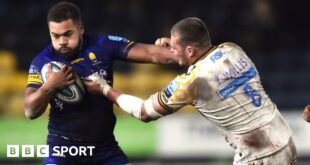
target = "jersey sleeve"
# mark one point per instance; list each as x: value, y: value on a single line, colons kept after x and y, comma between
x: 180, y: 92
x: 120, y: 46
x: 34, y: 74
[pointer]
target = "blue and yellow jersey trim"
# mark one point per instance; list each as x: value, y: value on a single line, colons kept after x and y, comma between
x: 129, y: 45
x: 162, y: 103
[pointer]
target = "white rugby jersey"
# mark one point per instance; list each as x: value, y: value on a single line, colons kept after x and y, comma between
x: 224, y: 86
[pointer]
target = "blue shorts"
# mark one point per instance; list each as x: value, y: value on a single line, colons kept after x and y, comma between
x: 101, y: 154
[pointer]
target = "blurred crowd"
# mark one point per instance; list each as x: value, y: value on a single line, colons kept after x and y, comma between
x: 272, y: 32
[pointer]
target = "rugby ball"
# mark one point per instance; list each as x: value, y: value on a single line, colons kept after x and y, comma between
x: 71, y: 93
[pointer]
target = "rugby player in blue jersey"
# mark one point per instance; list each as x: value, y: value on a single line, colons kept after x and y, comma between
x: 90, y: 122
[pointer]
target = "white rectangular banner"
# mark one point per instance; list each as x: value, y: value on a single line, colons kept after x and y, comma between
x: 190, y: 135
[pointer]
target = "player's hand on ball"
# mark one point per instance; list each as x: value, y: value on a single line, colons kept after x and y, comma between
x: 58, y: 80
x: 306, y: 113
x: 164, y: 42
x: 96, y: 85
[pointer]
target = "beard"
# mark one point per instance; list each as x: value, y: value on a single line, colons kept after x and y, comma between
x: 69, y: 54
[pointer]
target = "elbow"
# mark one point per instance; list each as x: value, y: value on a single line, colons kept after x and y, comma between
x: 145, y: 118
x: 30, y: 114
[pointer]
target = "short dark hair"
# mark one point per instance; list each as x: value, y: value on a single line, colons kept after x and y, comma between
x: 191, y: 30
x: 63, y: 11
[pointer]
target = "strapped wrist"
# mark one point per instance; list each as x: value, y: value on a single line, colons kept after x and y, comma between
x: 105, y: 88
x: 130, y: 104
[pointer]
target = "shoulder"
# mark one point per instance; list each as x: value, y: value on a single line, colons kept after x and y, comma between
x: 104, y: 39
x: 227, y: 46
x: 184, y: 80
x: 44, y: 56
x: 190, y: 76
x: 179, y: 92
x: 117, y: 38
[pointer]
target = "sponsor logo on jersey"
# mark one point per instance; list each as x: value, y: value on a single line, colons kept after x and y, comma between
x: 216, y: 56
x: 58, y: 104
x: 34, y: 76
x: 34, y: 69
x: 34, y: 79
x: 116, y: 38
x: 231, y: 87
x: 92, y: 56
x: 171, y: 88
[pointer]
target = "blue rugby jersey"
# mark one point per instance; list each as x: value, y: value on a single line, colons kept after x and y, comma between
x: 92, y: 119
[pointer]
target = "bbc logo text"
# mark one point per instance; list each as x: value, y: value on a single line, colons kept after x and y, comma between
x: 30, y: 151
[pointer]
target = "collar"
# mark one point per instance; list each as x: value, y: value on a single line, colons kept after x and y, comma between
x: 211, y: 49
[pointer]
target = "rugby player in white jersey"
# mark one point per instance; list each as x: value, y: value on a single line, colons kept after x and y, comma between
x: 223, y: 85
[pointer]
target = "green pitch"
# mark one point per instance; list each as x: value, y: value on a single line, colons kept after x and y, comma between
x: 136, y: 138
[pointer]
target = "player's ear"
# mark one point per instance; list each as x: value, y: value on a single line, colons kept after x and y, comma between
x: 190, y: 51
x: 81, y: 26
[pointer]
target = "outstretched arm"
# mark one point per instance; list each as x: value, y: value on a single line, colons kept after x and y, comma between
x: 145, y: 110
x: 157, y: 54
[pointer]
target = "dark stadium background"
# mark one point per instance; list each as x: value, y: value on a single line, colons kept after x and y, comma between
x: 275, y: 35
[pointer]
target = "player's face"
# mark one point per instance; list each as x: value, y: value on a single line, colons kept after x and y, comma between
x: 178, y: 50
x: 66, y: 37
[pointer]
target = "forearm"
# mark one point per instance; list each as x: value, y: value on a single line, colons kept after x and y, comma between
x: 162, y: 55
x: 36, y: 102
x: 112, y: 94
x: 130, y: 104
x: 135, y: 106
x: 147, y: 53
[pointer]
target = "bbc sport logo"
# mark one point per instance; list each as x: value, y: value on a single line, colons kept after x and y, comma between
x: 30, y: 151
